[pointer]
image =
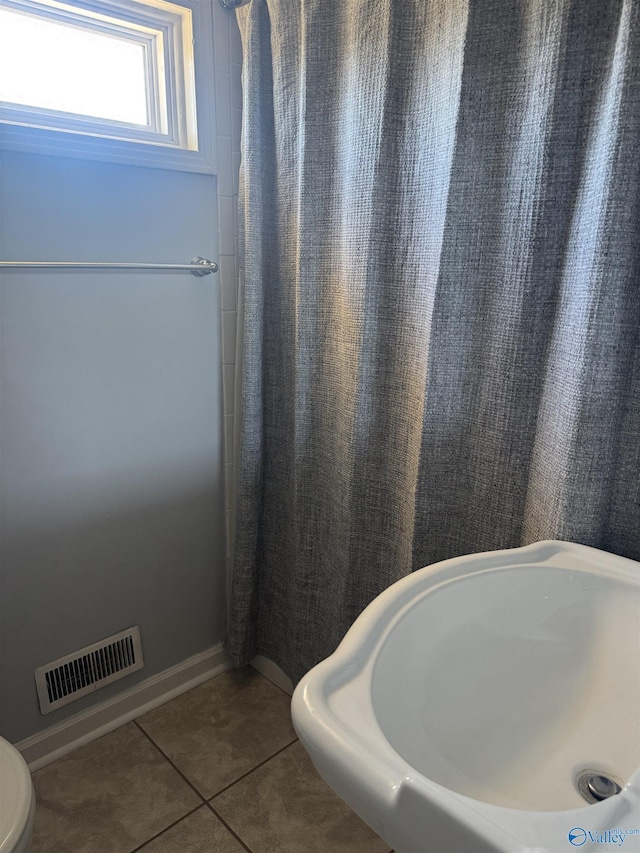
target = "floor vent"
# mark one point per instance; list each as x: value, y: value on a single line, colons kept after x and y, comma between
x: 68, y: 678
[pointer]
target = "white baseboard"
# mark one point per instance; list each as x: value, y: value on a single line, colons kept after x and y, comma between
x: 272, y: 671
x: 52, y: 743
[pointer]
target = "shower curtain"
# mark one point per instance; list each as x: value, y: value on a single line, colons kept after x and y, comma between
x: 440, y: 258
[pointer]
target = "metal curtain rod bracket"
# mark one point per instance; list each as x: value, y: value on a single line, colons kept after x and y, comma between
x: 198, y: 266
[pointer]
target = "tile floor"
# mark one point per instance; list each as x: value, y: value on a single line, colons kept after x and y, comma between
x: 217, y: 770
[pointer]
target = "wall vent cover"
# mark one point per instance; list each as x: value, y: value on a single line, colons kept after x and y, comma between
x: 70, y: 677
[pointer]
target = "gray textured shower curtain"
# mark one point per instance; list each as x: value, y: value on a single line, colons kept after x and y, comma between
x: 439, y: 219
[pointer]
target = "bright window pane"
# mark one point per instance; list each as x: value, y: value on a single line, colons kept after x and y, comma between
x: 56, y: 66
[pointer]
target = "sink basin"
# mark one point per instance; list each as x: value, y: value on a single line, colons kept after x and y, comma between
x: 466, y: 703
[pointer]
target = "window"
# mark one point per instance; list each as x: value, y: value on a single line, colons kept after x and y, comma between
x: 80, y: 71
x: 113, y: 79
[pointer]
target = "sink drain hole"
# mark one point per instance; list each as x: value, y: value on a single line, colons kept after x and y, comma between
x: 594, y: 786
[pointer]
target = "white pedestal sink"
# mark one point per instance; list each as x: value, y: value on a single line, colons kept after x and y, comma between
x: 466, y: 702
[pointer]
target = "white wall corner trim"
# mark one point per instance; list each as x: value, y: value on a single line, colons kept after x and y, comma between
x: 265, y: 666
x: 58, y: 740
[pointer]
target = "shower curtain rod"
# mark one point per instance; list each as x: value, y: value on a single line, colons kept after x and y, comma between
x: 197, y: 266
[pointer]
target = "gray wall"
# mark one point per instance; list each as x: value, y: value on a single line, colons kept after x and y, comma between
x: 111, y: 448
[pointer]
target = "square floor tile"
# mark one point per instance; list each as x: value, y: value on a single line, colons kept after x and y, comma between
x: 200, y: 832
x: 285, y: 807
x: 220, y: 730
x: 108, y: 796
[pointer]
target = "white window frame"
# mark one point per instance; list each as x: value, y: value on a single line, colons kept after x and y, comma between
x: 178, y: 41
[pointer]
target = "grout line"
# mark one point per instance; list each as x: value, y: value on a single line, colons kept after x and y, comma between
x: 266, y: 677
x: 271, y: 681
x: 166, y: 829
x: 281, y: 689
x: 165, y: 756
x: 225, y: 824
x: 222, y: 790
x: 249, y: 772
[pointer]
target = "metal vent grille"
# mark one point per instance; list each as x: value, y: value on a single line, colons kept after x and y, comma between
x: 68, y: 678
